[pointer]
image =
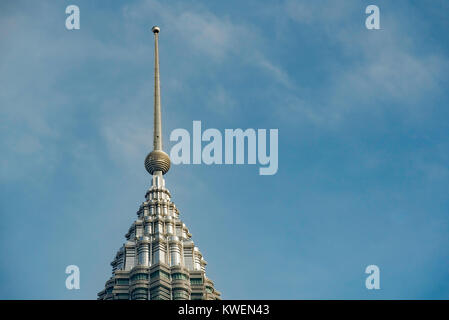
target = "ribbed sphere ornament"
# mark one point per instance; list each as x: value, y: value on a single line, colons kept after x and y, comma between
x: 157, y: 160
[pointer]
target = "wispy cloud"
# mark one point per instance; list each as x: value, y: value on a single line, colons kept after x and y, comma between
x: 381, y: 70
x: 215, y: 37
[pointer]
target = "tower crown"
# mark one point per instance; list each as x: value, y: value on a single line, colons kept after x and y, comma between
x: 159, y: 260
x: 157, y: 160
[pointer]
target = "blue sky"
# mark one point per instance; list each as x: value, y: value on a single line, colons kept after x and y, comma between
x: 363, y: 143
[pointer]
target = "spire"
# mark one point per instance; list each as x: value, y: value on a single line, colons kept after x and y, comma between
x: 157, y: 144
x: 157, y: 161
x: 150, y: 251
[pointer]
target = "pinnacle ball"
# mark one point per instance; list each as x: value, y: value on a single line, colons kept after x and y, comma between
x: 157, y: 160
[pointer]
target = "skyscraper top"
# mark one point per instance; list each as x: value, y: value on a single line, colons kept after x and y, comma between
x: 157, y: 161
x: 159, y: 260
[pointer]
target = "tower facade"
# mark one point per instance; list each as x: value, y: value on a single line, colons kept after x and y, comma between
x: 159, y: 260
